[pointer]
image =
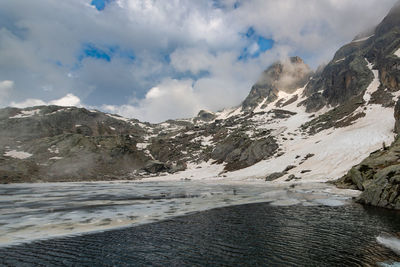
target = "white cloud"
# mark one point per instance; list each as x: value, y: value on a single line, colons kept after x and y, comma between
x: 30, y: 102
x: 169, y: 99
x: 174, y: 43
x: 5, y: 90
x: 66, y: 101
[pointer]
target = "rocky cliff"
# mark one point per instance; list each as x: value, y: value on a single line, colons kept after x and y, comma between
x: 378, y: 175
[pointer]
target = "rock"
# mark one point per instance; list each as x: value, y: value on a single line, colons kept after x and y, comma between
x: 204, y: 115
x: 378, y: 176
x: 309, y: 155
x: 289, y: 167
x: 156, y: 166
x: 397, y: 117
x: 274, y: 176
x: 292, y: 177
x: 179, y: 166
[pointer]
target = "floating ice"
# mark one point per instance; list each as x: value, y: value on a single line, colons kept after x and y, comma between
x: 390, y: 242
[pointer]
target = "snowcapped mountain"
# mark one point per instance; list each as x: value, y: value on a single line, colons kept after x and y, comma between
x: 295, y: 125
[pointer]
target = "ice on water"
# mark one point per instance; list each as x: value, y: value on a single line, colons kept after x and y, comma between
x: 36, y: 211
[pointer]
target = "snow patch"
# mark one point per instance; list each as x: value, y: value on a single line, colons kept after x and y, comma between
x: 26, y: 114
x: 362, y: 39
x: 142, y: 146
x: 227, y: 113
x: 339, y: 60
x: 55, y: 158
x: 335, y: 150
x: 373, y: 85
x: 118, y: 117
x: 258, y: 108
x: 205, y: 140
x: 397, y: 53
x: 53, y: 149
x: 17, y: 154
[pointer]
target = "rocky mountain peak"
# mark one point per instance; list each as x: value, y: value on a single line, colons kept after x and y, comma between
x: 285, y: 75
x: 391, y: 21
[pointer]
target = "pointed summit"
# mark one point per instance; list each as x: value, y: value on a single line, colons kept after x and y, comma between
x: 286, y: 76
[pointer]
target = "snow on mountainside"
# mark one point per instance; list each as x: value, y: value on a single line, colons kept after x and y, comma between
x: 327, y: 155
x: 235, y: 143
x: 294, y: 126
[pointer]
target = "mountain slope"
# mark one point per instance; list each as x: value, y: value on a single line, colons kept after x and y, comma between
x: 294, y: 125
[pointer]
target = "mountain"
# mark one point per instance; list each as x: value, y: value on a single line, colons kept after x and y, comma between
x: 285, y: 76
x: 295, y: 125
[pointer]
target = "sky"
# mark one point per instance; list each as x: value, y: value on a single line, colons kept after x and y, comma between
x: 156, y: 60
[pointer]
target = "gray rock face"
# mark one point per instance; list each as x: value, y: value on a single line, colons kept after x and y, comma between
x: 339, y: 81
x: 378, y: 176
x: 347, y: 75
x: 284, y: 76
x: 204, y: 115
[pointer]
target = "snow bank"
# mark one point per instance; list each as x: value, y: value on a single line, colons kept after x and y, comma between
x: 397, y: 53
x: 374, y: 84
x: 17, y: 154
x: 118, y: 117
x: 26, y: 114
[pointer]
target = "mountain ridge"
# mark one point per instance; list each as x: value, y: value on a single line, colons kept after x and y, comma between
x: 294, y: 126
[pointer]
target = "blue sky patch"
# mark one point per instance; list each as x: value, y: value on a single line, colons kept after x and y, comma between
x: 90, y: 50
x: 264, y: 44
x: 256, y: 44
x: 100, y: 4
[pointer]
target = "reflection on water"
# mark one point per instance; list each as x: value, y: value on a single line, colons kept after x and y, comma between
x: 37, y: 211
x: 251, y: 235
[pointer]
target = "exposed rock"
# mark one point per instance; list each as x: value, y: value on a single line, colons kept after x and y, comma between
x: 156, y: 166
x: 288, y: 168
x: 204, y: 115
x: 274, y: 176
x: 292, y: 177
x: 378, y: 176
x: 339, y: 81
x: 309, y: 155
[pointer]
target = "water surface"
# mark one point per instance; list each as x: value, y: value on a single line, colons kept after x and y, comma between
x: 36, y: 211
x: 246, y: 235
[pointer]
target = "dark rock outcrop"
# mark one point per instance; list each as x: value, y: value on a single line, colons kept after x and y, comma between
x: 378, y: 176
x: 204, y: 115
x: 347, y: 75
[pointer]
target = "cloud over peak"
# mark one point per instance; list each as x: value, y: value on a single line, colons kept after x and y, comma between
x: 114, y: 53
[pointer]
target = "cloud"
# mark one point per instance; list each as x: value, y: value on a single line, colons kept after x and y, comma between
x: 67, y: 101
x: 116, y: 53
x: 169, y: 99
x: 30, y: 102
x: 5, y: 90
